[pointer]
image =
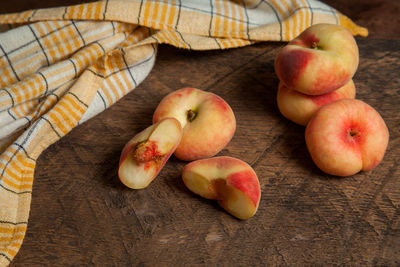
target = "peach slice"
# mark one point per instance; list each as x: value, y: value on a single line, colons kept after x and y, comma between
x: 207, y: 120
x: 229, y: 180
x: 299, y: 107
x: 144, y: 155
x: 346, y: 136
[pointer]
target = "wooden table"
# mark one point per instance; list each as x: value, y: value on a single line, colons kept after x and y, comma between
x: 82, y: 215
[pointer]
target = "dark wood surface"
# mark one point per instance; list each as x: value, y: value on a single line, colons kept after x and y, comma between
x: 82, y: 215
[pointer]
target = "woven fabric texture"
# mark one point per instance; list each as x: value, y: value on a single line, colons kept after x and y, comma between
x: 61, y: 66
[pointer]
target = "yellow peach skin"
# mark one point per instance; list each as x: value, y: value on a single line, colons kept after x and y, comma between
x: 299, y: 107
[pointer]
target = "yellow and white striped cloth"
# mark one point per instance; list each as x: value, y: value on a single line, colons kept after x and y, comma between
x: 61, y: 66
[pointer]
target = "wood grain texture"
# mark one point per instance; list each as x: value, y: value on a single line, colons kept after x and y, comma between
x: 381, y: 17
x: 82, y: 215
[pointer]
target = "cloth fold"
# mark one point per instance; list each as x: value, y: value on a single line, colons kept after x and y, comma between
x: 61, y: 66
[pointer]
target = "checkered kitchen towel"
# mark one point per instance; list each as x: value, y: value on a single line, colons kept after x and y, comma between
x: 61, y: 66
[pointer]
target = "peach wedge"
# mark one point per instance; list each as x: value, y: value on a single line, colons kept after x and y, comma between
x: 144, y: 155
x: 229, y: 180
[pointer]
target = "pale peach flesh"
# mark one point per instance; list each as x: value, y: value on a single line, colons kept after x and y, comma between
x: 144, y: 155
x: 229, y: 180
x: 299, y: 107
x: 207, y: 120
x: 346, y: 136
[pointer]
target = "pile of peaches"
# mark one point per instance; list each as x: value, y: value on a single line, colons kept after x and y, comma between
x: 343, y: 135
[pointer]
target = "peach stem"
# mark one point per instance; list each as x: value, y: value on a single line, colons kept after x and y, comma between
x: 191, y: 115
x: 314, y: 45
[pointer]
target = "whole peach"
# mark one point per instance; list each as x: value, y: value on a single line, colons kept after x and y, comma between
x: 207, y: 120
x: 346, y: 136
x: 299, y: 107
x: 321, y: 59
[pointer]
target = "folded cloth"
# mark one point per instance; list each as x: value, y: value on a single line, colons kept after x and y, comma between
x: 61, y: 66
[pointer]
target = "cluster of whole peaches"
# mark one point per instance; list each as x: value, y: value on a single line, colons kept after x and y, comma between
x: 316, y: 90
x: 194, y: 125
